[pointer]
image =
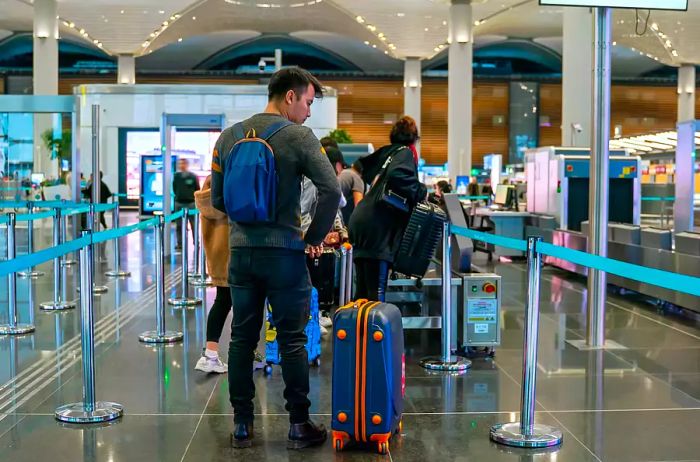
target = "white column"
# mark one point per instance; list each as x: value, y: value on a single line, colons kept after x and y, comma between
x: 412, y: 83
x: 126, y: 69
x: 577, y: 81
x: 459, y: 96
x: 45, y: 67
x: 686, y: 93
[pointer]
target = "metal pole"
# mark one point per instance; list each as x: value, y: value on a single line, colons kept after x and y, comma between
x: 349, y: 274
x: 67, y: 260
x: 446, y: 362
x: 96, y: 163
x: 526, y: 433
x: 195, y: 273
x: 59, y: 302
x: 116, y: 272
x: 599, y: 178
x: 30, y: 272
x: 93, y: 223
x: 200, y: 280
x: 160, y: 335
x: 13, y: 327
x: 89, y: 410
x: 342, y: 291
x: 184, y: 299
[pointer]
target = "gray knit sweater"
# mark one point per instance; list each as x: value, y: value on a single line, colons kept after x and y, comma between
x: 297, y: 153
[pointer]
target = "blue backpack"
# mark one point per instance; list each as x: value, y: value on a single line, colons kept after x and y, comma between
x: 250, y: 177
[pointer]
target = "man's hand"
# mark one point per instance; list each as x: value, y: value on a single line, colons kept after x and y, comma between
x: 314, y: 251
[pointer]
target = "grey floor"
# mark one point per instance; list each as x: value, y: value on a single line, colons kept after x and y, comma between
x: 637, y: 404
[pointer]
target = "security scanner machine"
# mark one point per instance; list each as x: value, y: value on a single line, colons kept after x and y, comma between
x: 557, y: 185
x: 558, y: 200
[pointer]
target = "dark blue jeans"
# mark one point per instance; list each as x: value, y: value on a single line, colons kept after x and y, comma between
x: 281, y: 276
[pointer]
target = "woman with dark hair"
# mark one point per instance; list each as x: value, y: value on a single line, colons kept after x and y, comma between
x: 442, y: 187
x: 379, y: 220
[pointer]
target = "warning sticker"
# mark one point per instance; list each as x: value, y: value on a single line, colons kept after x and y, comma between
x: 481, y: 328
x: 482, y: 310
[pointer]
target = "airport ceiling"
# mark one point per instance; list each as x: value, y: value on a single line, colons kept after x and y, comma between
x: 373, y: 34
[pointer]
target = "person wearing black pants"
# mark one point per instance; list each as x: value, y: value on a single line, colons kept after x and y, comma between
x: 376, y: 227
x: 267, y: 256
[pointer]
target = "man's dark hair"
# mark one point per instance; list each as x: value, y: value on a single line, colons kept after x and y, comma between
x: 292, y: 78
x: 335, y: 156
x: 327, y: 142
x: 357, y: 165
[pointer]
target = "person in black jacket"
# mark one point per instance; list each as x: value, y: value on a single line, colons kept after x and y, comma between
x: 105, y: 194
x: 376, y: 228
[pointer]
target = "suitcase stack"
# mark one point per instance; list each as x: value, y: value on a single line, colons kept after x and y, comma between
x: 420, y: 240
x: 368, y: 374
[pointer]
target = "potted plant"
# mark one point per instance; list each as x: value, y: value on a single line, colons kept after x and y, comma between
x: 60, y: 148
x: 340, y: 136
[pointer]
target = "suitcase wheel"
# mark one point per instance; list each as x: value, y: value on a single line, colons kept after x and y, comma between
x: 383, y: 448
x: 268, y: 370
x: 338, y: 444
x: 316, y: 362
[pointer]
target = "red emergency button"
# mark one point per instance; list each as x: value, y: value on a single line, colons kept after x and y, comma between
x: 489, y: 288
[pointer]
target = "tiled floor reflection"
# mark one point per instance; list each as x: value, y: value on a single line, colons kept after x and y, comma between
x: 640, y: 403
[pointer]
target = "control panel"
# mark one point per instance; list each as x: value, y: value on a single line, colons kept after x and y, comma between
x: 480, y: 323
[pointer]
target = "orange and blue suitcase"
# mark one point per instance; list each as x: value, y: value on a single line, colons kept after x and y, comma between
x: 368, y: 374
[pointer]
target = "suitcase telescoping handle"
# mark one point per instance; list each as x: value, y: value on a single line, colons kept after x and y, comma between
x: 345, y: 290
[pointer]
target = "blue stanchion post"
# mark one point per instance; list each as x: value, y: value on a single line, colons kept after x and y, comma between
x: 116, y: 272
x: 30, y: 272
x: 526, y: 433
x: 89, y: 410
x: 59, y: 302
x: 13, y: 327
x: 184, y: 300
x: 160, y: 335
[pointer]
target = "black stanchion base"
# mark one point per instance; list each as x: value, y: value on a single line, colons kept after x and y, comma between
x: 103, y: 411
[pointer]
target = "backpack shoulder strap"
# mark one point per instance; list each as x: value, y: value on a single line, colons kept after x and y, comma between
x: 238, y: 131
x: 274, y: 128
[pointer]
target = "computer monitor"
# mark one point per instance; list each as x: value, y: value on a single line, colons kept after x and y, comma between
x: 501, y: 194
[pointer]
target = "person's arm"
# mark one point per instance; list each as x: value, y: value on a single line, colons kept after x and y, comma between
x: 196, y: 182
x: 358, y: 190
x: 217, y: 177
x: 316, y: 167
x: 402, y: 177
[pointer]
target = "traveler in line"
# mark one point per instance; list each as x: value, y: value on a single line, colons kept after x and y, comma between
x: 268, y: 259
x: 377, y: 224
x: 215, y: 232
x: 105, y: 194
x: 353, y: 189
x: 185, y: 183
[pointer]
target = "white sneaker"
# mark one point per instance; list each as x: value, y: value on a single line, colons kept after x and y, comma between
x: 325, y: 321
x: 209, y: 365
x: 324, y: 331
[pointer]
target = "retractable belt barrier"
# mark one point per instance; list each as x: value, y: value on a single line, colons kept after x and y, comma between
x: 666, y: 279
x: 41, y: 256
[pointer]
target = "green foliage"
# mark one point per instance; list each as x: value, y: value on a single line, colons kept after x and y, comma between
x: 60, y: 147
x: 340, y: 136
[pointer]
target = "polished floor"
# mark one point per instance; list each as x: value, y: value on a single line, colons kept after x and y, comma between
x: 641, y: 403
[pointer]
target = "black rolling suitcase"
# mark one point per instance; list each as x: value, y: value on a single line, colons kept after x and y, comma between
x: 420, y: 240
x: 322, y: 273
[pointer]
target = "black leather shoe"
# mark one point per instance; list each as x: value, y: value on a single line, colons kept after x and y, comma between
x: 305, y: 435
x: 242, y: 435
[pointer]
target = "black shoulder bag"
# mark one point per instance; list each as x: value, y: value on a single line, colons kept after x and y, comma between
x: 387, y: 196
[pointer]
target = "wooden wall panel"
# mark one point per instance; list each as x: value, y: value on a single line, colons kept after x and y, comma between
x: 550, y: 114
x: 368, y: 108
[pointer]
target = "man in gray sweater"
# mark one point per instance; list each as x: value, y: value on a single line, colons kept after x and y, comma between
x: 268, y: 260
